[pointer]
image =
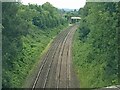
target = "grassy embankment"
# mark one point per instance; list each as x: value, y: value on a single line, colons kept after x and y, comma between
x: 91, y: 74
x: 38, y: 57
x: 34, y: 46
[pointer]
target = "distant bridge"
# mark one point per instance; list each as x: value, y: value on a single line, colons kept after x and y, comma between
x: 75, y: 19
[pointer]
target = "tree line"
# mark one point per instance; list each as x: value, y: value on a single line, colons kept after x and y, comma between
x: 97, y: 59
x: 26, y: 31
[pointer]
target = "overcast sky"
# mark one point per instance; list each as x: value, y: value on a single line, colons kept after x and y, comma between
x: 70, y: 4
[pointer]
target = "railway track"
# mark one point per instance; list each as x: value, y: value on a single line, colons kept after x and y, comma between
x: 62, y: 74
x: 55, y: 68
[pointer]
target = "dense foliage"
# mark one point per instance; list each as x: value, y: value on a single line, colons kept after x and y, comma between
x: 27, y: 30
x: 96, y: 60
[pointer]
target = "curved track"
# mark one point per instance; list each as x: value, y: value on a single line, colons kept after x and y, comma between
x: 56, y: 67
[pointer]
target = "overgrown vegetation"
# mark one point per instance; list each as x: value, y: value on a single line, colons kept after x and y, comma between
x: 27, y: 30
x: 96, y: 44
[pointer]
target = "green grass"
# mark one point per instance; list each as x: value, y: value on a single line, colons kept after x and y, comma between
x: 90, y: 66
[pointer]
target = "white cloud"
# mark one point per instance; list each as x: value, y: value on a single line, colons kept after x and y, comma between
x: 71, y: 4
